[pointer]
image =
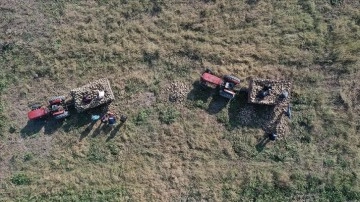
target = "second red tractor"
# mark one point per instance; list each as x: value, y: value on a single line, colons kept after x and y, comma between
x: 226, y: 84
x: 57, y: 108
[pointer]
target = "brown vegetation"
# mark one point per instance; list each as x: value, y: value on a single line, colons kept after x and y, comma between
x: 197, y: 149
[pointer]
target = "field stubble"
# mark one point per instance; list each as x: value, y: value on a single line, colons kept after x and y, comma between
x: 180, y: 150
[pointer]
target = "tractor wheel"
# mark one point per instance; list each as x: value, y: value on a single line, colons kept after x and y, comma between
x: 35, y: 106
x: 63, y: 115
x: 208, y: 70
x: 232, y: 79
x: 56, y: 98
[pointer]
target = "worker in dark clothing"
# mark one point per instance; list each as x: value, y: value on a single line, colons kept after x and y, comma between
x: 266, y: 90
x: 111, y: 119
x: 87, y: 99
x: 272, y: 136
x: 105, y: 118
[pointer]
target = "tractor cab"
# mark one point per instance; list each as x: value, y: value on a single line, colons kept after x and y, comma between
x: 229, y: 85
x: 58, y: 107
x: 57, y: 110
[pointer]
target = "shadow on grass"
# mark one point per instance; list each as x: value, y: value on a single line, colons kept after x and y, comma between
x: 260, y: 146
x: 74, y: 121
x: 243, y: 114
x: 35, y: 126
x: 87, y: 130
x: 98, y: 130
x: 102, y: 127
x: 78, y: 120
x: 240, y: 112
x: 201, y: 95
x: 114, y: 132
x: 53, y: 125
x: 217, y: 104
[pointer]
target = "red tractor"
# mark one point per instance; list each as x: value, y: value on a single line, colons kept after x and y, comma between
x: 57, y: 108
x: 226, y: 85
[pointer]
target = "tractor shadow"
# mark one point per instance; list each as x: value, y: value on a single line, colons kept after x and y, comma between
x: 200, y: 96
x: 200, y: 93
x: 32, y: 127
x: 35, y: 126
x: 51, y: 125
x: 48, y: 125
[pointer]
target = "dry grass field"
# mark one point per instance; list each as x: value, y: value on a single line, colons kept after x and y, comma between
x: 197, y: 148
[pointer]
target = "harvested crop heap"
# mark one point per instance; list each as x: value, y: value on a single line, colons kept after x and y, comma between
x: 92, y: 91
x: 177, y: 92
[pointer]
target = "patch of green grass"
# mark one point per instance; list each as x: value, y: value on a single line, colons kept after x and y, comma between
x: 222, y: 117
x: 28, y: 157
x: 20, y: 179
x: 2, y: 119
x: 113, y: 148
x: 135, y: 85
x: 312, y: 187
x: 142, y: 117
x: 168, y: 115
x: 96, y: 154
x: 200, y: 104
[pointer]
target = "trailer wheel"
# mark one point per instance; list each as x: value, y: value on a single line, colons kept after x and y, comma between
x: 63, y: 115
x: 232, y: 79
x: 51, y: 100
